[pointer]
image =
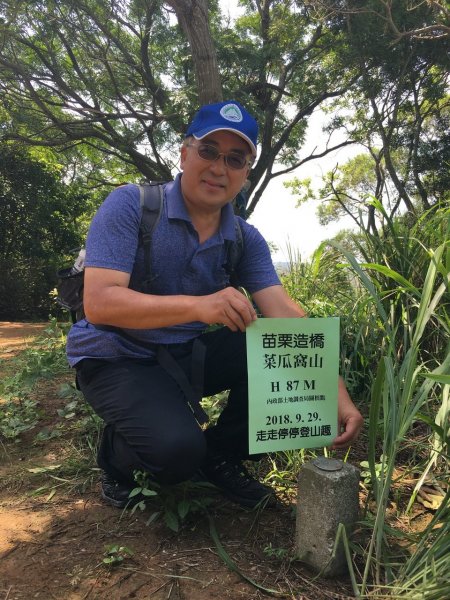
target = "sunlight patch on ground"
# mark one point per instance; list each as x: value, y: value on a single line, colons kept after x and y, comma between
x: 19, y: 526
x: 17, y: 336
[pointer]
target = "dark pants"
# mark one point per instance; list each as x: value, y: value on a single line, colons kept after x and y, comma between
x: 148, y: 422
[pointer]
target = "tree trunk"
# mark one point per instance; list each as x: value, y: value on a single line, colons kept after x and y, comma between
x: 192, y: 16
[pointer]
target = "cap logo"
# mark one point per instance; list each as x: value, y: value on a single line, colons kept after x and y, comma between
x: 231, y: 112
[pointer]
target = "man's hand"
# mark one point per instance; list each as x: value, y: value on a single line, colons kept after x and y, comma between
x: 350, y: 426
x: 228, y: 307
x: 350, y: 420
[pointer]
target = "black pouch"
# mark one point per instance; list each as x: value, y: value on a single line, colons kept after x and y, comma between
x: 70, y: 292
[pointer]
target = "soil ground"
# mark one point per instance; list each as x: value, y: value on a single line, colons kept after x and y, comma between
x: 54, y: 527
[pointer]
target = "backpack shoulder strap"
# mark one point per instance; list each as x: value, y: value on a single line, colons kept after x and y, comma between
x: 234, y: 252
x: 151, y: 198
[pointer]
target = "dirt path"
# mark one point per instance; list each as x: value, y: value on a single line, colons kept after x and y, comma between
x: 15, y: 337
x: 55, y: 530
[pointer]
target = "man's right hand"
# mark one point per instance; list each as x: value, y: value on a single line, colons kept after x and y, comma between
x: 228, y: 307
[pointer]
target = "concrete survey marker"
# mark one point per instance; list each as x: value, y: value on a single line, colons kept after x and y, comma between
x: 327, y: 496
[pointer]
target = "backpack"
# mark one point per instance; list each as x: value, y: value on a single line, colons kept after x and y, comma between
x: 70, y: 282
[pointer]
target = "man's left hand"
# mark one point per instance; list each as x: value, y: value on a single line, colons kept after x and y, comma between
x: 350, y: 420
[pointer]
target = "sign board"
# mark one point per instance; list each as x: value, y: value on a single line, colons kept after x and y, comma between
x: 293, y: 369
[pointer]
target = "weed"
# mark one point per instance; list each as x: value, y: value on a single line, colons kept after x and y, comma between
x: 18, y: 415
x: 214, y: 405
x: 44, y: 360
x: 74, y: 401
x: 379, y: 468
x: 115, y: 554
x: 275, y: 552
x: 176, y: 502
x: 46, y: 434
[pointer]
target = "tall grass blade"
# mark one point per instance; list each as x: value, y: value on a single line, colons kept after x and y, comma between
x: 367, y: 282
x: 232, y: 565
x: 428, y: 304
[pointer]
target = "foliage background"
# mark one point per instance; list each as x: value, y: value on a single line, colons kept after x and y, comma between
x: 40, y: 221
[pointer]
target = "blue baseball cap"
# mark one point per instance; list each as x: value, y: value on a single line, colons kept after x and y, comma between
x: 225, y: 116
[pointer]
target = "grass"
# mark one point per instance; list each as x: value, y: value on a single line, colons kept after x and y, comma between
x: 396, y: 361
x: 403, y: 388
x: 44, y: 360
x: 34, y: 372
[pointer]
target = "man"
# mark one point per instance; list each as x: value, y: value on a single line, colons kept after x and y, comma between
x: 138, y: 355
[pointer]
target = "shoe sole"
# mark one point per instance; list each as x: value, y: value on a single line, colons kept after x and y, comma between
x: 113, y: 502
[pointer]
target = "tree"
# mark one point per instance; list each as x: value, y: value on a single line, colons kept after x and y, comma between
x: 398, y: 111
x: 122, y: 78
x: 346, y: 191
x: 118, y: 77
x: 39, y: 219
x: 349, y: 189
x: 386, y: 10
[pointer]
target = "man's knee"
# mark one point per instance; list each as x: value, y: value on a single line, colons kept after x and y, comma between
x: 179, y: 455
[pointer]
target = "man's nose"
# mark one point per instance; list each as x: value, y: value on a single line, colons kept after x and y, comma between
x: 218, y: 165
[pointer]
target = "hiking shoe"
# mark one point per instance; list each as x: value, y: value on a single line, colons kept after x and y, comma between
x: 236, y: 483
x: 115, y: 493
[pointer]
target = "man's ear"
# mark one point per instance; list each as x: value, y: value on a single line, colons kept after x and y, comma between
x: 183, y: 152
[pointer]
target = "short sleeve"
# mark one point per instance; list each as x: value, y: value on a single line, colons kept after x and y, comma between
x: 113, y: 236
x: 255, y: 271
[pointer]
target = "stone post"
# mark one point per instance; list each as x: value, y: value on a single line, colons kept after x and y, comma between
x: 327, y: 495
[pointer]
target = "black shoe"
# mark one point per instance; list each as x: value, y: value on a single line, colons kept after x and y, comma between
x: 235, y: 482
x: 115, y: 493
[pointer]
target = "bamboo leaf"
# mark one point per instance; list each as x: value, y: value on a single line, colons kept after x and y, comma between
x: 50, y: 496
x: 445, y: 379
x: 407, y: 285
x: 367, y: 282
x: 427, y: 304
x: 374, y: 415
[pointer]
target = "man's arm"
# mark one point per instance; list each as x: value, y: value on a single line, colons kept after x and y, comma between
x: 109, y: 301
x: 274, y: 301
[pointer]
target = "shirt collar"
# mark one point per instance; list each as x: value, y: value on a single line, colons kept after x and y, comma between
x: 176, y: 209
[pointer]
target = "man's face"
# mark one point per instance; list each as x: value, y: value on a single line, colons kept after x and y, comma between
x: 212, y: 184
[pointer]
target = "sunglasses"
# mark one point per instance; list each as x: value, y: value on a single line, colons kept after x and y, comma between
x: 233, y: 160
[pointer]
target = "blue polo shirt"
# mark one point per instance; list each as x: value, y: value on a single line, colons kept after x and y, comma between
x: 180, y: 265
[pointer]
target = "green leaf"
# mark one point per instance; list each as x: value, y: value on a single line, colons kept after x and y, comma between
x: 140, y: 505
x: 183, y: 508
x: 445, y: 379
x: 407, y: 285
x: 432, y: 424
x: 171, y: 520
x: 153, y: 517
x: 65, y: 390
x: 47, y: 434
